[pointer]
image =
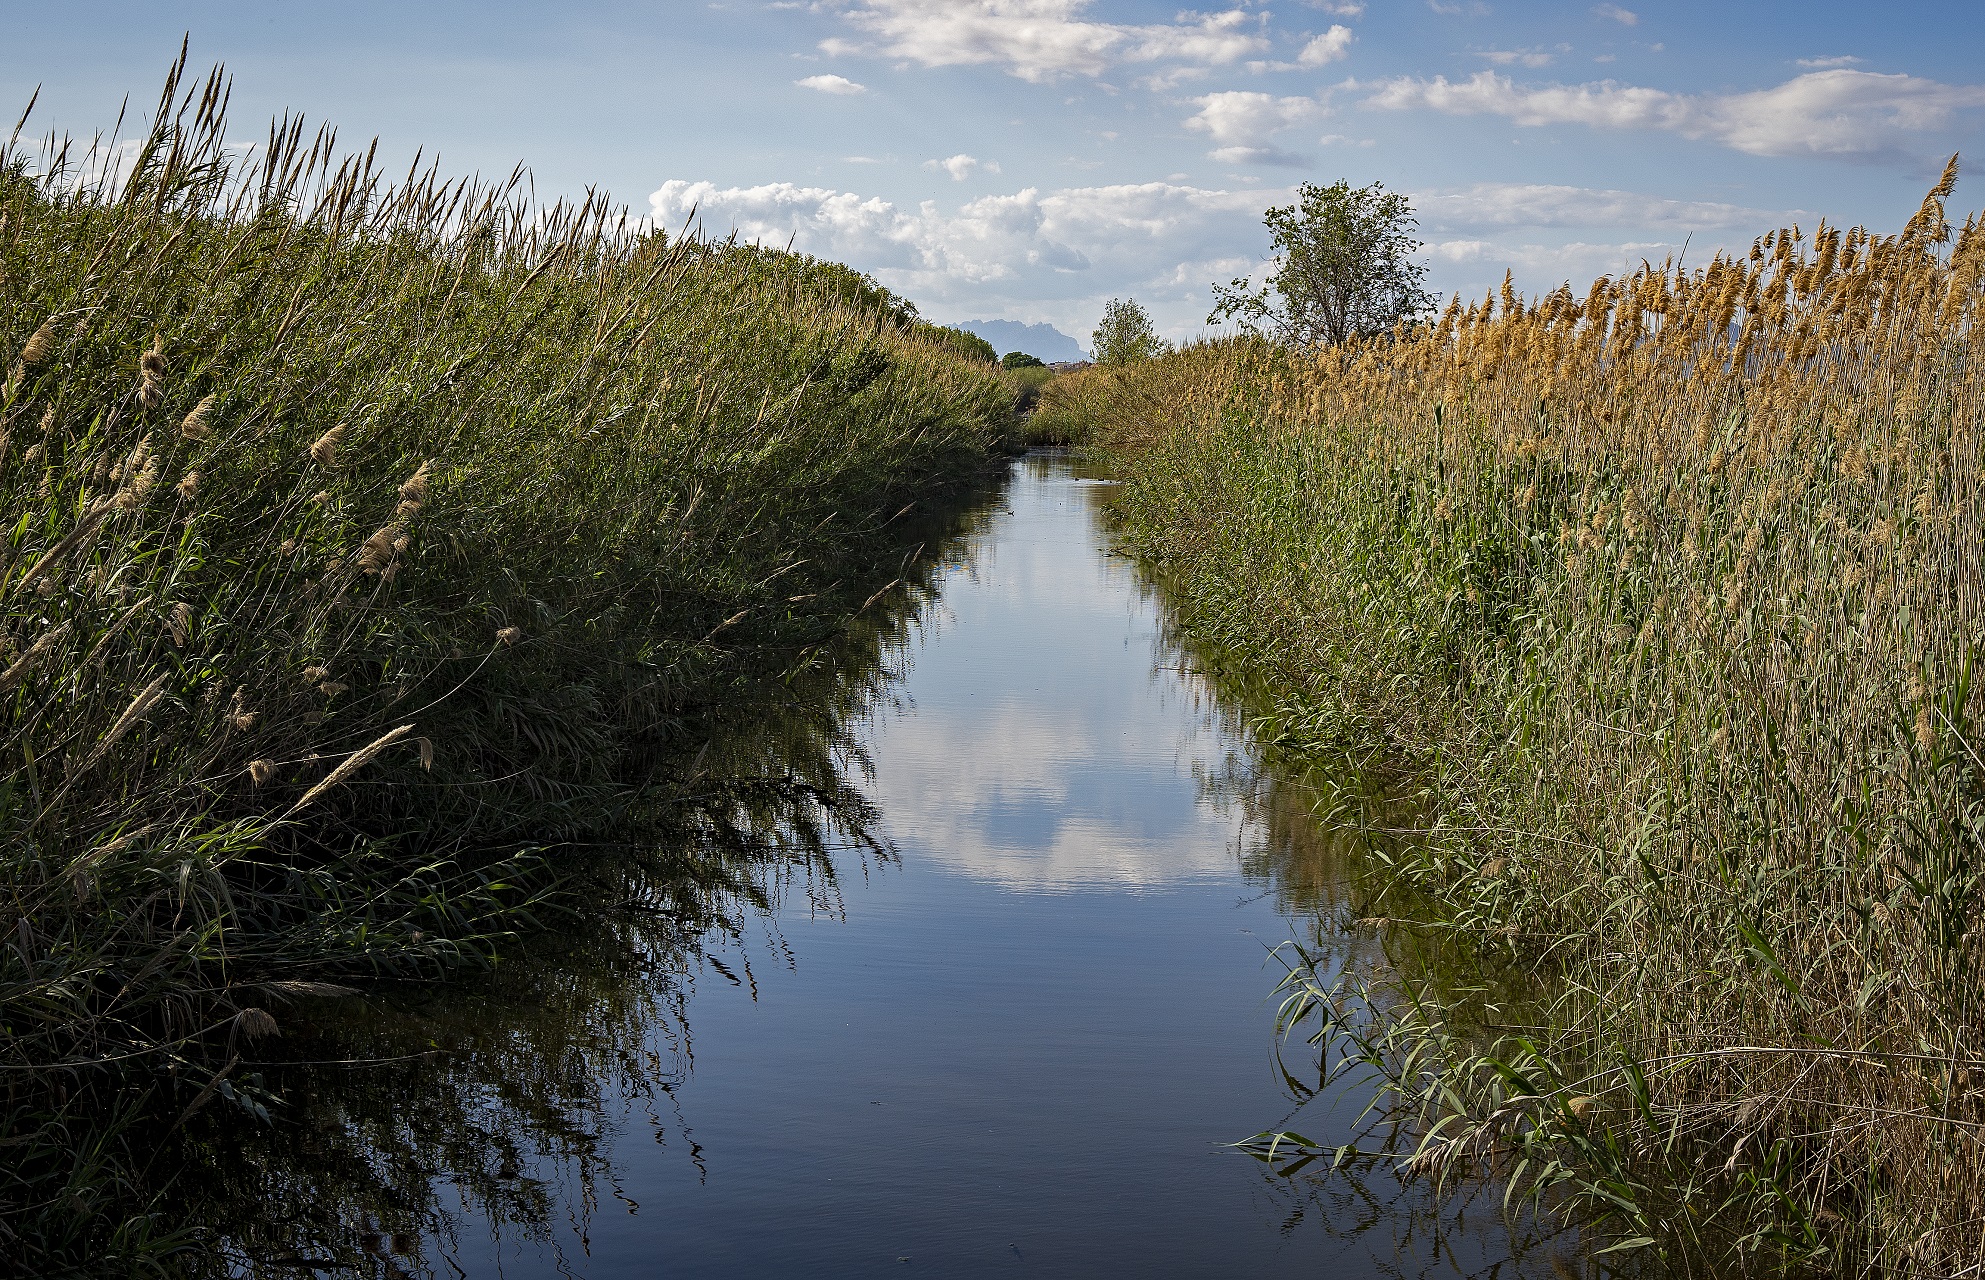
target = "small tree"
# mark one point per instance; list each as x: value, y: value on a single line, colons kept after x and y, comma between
x: 1021, y: 360
x: 1342, y: 269
x: 1125, y: 336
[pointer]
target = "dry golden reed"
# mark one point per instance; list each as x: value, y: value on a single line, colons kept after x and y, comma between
x: 1676, y: 586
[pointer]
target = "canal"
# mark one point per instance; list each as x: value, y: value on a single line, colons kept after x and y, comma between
x: 1015, y: 1039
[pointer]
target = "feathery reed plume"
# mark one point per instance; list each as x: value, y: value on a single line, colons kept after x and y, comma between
x: 315, y: 674
x: 181, y: 623
x: 414, y: 489
x: 137, y: 489
x: 426, y: 746
x: 509, y: 636
x: 260, y: 771
x: 352, y: 764
x: 194, y: 425
x: 413, y: 494
x: 256, y: 1024
x: 188, y: 486
x: 146, y: 698
x: 25, y: 663
x: 324, y: 451
x: 379, y: 550
x: 52, y: 558
x: 40, y: 344
x: 151, y: 374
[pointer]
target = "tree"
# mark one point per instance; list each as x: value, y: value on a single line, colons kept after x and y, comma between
x: 1342, y: 269
x: 1125, y: 336
x: 1021, y: 360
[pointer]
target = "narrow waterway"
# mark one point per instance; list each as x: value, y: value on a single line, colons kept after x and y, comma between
x: 1016, y: 1043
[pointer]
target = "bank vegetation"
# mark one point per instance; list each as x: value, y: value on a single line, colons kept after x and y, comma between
x: 1656, y: 610
x: 379, y: 555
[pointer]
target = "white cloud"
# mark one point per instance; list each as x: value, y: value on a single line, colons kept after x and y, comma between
x: 832, y: 84
x: 1341, y: 8
x: 1053, y: 255
x: 1476, y: 266
x: 1826, y: 113
x: 1625, y: 17
x: 1329, y: 47
x: 1045, y: 39
x: 1516, y: 57
x: 1517, y: 204
x: 1843, y: 60
x: 1460, y: 8
x: 1243, y: 122
x: 962, y: 166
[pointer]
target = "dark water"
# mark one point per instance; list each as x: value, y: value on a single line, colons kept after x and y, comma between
x: 1016, y: 1047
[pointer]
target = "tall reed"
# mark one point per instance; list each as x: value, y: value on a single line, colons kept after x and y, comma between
x: 1668, y: 596
x: 374, y: 554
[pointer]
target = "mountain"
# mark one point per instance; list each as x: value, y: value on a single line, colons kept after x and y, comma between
x: 1043, y: 340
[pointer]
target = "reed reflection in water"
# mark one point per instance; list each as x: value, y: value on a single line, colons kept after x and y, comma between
x: 1006, y: 1026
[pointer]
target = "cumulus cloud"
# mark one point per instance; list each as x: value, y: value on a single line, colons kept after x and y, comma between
x: 1053, y: 255
x: 1855, y: 114
x: 1329, y: 47
x: 831, y: 84
x: 1056, y: 255
x: 1519, y: 204
x: 1476, y: 266
x: 1625, y: 17
x: 1842, y: 60
x: 962, y: 166
x: 1041, y: 40
x: 1341, y: 8
x: 1242, y: 123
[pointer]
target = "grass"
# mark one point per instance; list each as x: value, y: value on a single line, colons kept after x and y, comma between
x: 379, y: 559
x: 1661, y: 604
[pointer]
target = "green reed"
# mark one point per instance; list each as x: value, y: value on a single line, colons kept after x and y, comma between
x: 377, y: 556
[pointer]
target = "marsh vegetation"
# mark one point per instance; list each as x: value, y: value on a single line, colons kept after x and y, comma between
x: 1657, y: 606
x: 384, y: 562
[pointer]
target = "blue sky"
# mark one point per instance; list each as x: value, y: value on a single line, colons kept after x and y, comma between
x: 1029, y: 159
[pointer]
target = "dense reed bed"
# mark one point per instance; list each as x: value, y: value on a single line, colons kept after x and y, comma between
x: 1656, y: 608
x: 379, y: 559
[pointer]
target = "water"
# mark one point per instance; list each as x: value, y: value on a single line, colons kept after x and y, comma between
x: 1017, y: 1047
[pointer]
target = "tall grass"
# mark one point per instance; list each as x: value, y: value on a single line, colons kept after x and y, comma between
x: 1663, y: 601
x: 376, y: 556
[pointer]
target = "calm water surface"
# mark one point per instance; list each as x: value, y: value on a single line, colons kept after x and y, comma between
x: 1017, y: 1046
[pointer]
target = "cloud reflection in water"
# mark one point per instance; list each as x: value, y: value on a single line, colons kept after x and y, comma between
x: 1050, y: 776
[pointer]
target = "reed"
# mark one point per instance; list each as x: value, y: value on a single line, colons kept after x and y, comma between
x: 375, y: 555
x: 1662, y: 601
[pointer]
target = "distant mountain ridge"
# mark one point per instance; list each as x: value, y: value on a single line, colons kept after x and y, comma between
x: 1043, y: 340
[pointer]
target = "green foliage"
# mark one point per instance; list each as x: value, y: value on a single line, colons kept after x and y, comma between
x: 960, y: 342
x: 1027, y: 383
x: 1125, y: 335
x: 832, y: 281
x: 1021, y: 360
x: 373, y: 558
x: 1343, y: 269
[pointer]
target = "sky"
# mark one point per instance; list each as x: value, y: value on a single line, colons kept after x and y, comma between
x: 1028, y: 160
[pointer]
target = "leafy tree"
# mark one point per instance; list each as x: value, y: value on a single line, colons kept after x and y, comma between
x: 1342, y: 269
x: 1125, y: 336
x: 1021, y: 360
